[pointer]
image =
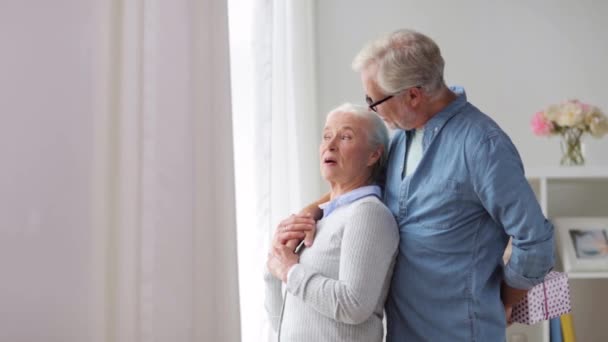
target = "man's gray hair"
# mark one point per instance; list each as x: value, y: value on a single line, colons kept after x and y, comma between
x: 377, y: 133
x: 405, y: 59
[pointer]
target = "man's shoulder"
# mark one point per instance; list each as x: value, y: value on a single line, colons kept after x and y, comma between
x: 474, y: 125
x: 476, y: 118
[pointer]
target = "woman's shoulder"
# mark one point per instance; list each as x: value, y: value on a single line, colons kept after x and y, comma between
x: 372, y: 201
x: 372, y: 219
x: 371, y: 205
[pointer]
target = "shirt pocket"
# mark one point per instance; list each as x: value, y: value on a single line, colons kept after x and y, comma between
x: 439, y: 203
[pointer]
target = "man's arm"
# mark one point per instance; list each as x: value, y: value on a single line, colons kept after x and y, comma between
x: 499, y: 181
x: 313, y: 209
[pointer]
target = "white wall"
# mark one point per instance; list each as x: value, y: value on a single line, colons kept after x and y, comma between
x: 45, y: 148
x: 512, y: 57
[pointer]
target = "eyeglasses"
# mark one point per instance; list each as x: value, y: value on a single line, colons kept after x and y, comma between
x: 374, y: 105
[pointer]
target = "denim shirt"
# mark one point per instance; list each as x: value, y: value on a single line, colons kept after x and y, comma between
x: 456, y: 213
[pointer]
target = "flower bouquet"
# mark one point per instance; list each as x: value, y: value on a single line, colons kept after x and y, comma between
x: 570, y: 120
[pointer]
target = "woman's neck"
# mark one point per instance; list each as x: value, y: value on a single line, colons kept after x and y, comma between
x: 341, y: 189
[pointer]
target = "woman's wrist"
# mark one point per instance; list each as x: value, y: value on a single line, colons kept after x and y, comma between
x: 289, y: 272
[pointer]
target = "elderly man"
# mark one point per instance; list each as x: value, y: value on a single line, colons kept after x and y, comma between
x: 456, y: 186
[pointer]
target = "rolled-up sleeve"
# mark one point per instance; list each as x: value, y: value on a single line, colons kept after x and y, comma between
x: 500, y: 183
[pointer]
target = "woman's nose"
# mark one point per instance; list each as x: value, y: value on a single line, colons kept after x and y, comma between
x: 332, y: 144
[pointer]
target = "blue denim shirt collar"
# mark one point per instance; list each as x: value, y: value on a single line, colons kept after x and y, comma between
x: 350, y: 197
x: 436, y: 123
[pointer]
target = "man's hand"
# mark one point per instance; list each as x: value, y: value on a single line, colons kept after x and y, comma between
x: 280, y: 260
x: 510, y: 296
x: 313, y: 209
x: 508, y: 312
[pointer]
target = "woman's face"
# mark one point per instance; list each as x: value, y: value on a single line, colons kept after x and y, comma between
x: 345, y: 153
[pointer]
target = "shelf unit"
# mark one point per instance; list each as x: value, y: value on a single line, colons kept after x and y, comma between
x: 573, y: 192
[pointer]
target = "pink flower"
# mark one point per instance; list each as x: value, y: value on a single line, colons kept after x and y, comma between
x: 583, y: 106
x: 541, y: 125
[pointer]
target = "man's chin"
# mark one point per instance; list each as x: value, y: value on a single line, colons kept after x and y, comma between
x: 391, y: 125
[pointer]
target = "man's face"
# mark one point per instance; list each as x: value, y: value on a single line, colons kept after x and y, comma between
x: 394, y: 111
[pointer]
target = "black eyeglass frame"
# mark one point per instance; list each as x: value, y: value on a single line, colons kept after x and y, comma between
x: 373, y: 105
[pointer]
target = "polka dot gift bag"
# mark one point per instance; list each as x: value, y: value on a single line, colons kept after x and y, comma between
x: 547, y: 300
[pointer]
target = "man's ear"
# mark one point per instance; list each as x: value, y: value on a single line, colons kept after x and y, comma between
x: 415, y: 94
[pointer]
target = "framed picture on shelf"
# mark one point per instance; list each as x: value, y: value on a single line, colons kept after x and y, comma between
x: 582, y: 243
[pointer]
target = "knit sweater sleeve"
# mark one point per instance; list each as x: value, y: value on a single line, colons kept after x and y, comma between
x: 368, y: 248
x: 273, y: 300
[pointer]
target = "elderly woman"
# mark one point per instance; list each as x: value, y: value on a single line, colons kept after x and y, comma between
x: 336, y: 288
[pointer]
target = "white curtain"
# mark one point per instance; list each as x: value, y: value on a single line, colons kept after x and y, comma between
x: 278, y: 148
x: 163, y: 185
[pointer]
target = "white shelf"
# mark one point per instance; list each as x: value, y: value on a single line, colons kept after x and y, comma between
x: 588, y: 275
x: 568, y: 172
x: 564, y: 192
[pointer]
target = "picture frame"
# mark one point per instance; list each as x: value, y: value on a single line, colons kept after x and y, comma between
x: 582, y: 243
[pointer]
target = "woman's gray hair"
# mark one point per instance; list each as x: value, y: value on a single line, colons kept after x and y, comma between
x: 377, y: 134
x: 405, y: 59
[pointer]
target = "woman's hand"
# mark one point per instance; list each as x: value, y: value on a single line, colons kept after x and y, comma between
x: 280, y: 260
x: 302, y: 223
x: 305, y: 222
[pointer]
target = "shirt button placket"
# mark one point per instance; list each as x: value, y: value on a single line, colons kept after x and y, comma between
x: 403, y: 199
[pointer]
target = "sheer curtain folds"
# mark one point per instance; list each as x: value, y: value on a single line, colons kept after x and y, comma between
x: 277, y: 134
x: 163, y: 179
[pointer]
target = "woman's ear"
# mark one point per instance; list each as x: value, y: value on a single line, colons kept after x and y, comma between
x: 375, y: 156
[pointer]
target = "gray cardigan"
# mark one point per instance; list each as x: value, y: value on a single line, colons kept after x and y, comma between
x: 337, y: 291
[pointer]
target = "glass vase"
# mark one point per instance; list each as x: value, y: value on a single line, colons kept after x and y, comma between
x: 572, y: 151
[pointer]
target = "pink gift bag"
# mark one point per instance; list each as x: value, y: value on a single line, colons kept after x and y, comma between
x: 547, y: 300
